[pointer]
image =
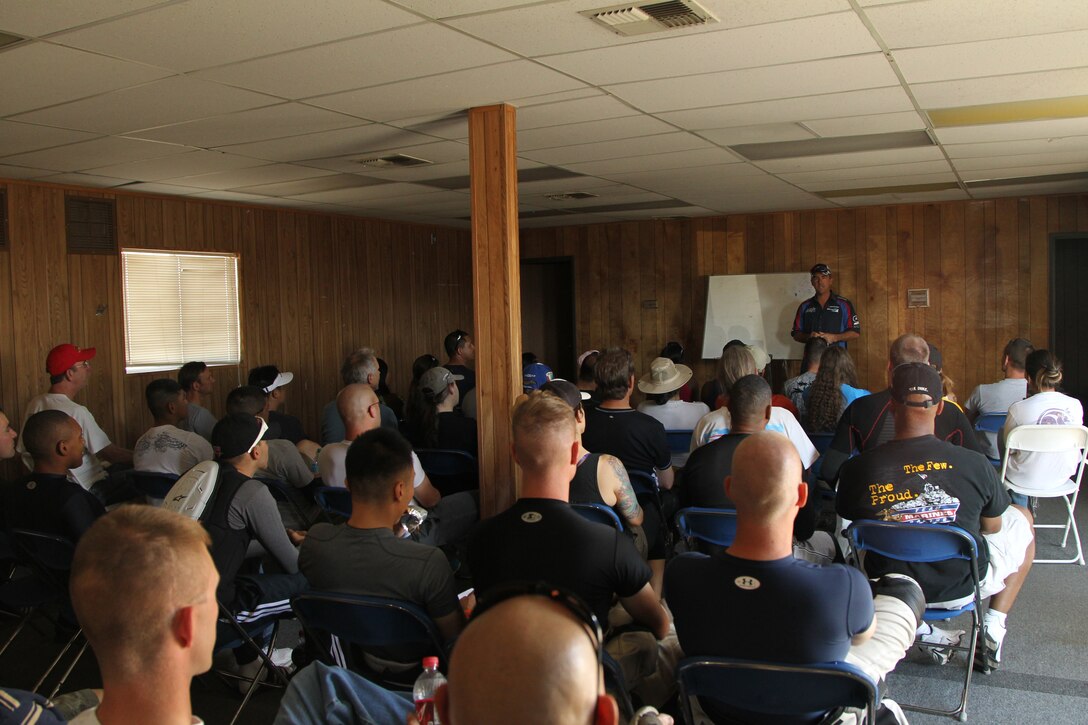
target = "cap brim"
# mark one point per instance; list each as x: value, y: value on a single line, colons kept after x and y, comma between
x: 585, y: 395
x: 281, y: 380
x: 457, y: 377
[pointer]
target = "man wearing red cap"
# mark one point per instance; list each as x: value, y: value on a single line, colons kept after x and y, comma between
x: 69, y: 369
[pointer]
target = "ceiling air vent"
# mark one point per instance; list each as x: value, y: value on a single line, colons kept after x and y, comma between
x: 570, y: 196
x: 641, y: 18
x: 395, y: 161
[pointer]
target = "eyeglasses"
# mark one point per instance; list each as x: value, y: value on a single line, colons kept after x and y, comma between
x: 568, y: 600
x: 82, y: 364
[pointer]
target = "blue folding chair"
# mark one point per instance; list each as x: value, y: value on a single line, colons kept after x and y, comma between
x: 449, y: 471
x: 643, y: 482
x: 598, y: 513
x: 371, y: 624
x: 821, y: 442
x: 334, y: 500
x: 927, y: 544
x: 153, y: 484
x: 231, y: 634
x: 20, y: 596
x: 991, y: 423
x: 763, y: 690
x: 679, y: 440
x: 717, y: 527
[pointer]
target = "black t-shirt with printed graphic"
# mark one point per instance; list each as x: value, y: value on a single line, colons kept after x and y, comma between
x: 924, y: 480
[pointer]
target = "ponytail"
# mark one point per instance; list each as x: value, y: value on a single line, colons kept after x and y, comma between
x: 1044, y: 370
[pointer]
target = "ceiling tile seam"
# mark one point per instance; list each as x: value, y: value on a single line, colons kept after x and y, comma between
x: 100, y: 138
x: 111, y: 18
x: 989, y: 40
x: 472, y: 14
x: 890, y: 57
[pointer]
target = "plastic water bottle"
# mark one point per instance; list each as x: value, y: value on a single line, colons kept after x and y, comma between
x: 423, y: 692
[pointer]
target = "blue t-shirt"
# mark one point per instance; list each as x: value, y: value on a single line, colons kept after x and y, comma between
x: 785, y: 610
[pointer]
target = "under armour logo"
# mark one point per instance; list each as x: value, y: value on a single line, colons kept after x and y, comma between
x: 531, y: 517
x: 747, y: 582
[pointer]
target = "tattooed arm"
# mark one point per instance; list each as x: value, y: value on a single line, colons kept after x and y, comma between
x: 612, y: 477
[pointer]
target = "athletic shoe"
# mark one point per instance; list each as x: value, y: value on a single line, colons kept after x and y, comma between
x: 987, y: 654
x: 937, y: 636
x: 890, y: 713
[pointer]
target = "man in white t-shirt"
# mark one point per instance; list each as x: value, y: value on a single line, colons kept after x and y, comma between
x: 449, y: 517
x: 717, y: 423
x: 998, y: 397
x: 166, y: 448
x: 69, y: 369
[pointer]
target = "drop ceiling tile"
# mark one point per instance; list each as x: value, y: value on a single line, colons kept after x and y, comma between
x: 921, y: 198
x: 309, y: 186
x: 688, y: 212
x: 831, y: 105
x: 520, y: 29
x: 840, y: 174
x: 23, y: 137
x: 564, y: 186
x: 1079, y: 156
x: 366, y: 196
x: 443, y: 94
x: 24, y: 172
x: 593, y: 108
x: 661, y: 143
x: 1056, y: 187
x: 864, y: 158
x: 1055, y: 128
x: 608, y: 129
x: 859, y: 125
x: 757, y: 134
x: 202, y: 33
x: 187, y: 164
x: 1072, y: 144
x: 445, y: 9
x: 172, y: 100
x: 440, y: 202
x: 439, y: 152
x: 420, y: 173
x: 672, y: 56
x: 1002, y: 89
x: 267, y: 174
x: 99, y: 152
x: 41, y: 74
x: 733, y: 201
x: 258, y: 124
x: 879, y: 181
x: 37, y: 19
x: 360, y: 140
x: 681, y: 182
x: 542, y: 98
x: 361, y: 62
x: 759, y: 84
x: 998, y: 172
x: 565, y: 220
x: 235, y: 196
x: 937, y: 22
x: 147, y: 187
x: 75, y: 179
x: 656, y: 162
x: 636, y: 196
x: 453, y: 126
x: 993, y: 57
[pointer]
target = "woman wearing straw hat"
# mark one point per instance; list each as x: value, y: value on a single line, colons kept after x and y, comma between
x: 662, y: 387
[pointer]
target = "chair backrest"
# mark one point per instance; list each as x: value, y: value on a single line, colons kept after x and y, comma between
x: 1047, y: 439
x: 371, y: 623
x: 679, y: 440
x: 153, y: 484
x: 768, y: 689
x: 920, y: 543
x: 449, y: 471
x: 642, y: 482
x: 711, y: 526
x: 599, y: 513
x: 821, y: 441
x: 334, y: 500
x: 990, y: 422
x: 49, y: 555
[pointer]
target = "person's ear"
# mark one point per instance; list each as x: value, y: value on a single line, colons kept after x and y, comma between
x: 767, y: 414
x: 575, y: 447
x: 61, y: 448
x: 607, y: 713
x: 442, y: 702
x: 184, y: 627
x: 940, y: 406
x: 802, y: 494
x: 398, y: 490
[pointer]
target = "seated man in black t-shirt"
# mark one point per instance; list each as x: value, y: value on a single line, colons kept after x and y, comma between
x: 541, y: 538
x: 749, y: 410
x: 461, y: 350
x: 867, y: 422
x: 756, y: 601
x: 917, y: 478
x: 46, y: 500
x: 638, y: 440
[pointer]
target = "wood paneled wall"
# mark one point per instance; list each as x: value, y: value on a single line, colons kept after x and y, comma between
x: 313, y: 288
x: 984, y: 262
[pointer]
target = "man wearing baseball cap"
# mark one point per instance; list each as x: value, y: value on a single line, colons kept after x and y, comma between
x: 918, y: 478
x: 826, y: 315
x: 69, y: 369
x: 274, y: 383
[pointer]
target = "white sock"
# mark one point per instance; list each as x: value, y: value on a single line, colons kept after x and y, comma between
x: 993, y: 624
x: 923, y: 629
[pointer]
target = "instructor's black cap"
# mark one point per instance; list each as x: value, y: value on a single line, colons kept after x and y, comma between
x: 820, y: 269
x: 916, y: 378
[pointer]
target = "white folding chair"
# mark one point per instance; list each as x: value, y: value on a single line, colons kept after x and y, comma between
x: 1051, y: 439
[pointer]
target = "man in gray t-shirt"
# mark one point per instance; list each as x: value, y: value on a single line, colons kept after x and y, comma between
x: 997, y: 397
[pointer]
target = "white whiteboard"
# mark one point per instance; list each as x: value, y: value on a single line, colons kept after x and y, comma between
x: 756, y: 308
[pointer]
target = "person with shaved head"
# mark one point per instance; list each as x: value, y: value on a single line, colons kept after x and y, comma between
x: 780, y: 608
x: 47, y: 500
x: 143, y: 588
x: 867, y: 422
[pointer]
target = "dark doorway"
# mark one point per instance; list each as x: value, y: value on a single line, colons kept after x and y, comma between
x: 1068, y: 323
x: 547, y: 313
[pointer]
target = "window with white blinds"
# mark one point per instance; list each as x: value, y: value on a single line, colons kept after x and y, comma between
x: 180, y: 306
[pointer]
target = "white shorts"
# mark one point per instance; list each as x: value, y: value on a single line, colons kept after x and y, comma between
x: 1007, y: 548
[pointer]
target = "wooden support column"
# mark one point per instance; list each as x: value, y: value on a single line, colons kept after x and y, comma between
x: 496, y: 295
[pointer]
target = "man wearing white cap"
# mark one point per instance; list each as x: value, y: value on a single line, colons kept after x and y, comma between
x: 662, y: 386
x: 280, y: 425
x: 69, y: 369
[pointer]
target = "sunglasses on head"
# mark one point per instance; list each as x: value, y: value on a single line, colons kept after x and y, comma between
x: 569, y: 601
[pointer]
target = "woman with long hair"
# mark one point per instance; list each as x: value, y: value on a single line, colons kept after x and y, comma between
x: 834, y: 388
x: 1043, y: 406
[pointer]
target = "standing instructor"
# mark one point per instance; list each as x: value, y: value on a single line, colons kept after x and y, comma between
x: 826, y: 315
